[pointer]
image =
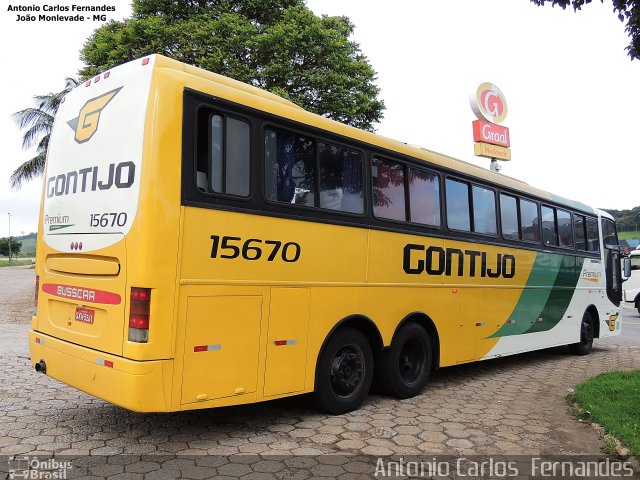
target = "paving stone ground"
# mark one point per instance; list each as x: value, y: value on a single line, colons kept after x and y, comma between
x: 513, y: 405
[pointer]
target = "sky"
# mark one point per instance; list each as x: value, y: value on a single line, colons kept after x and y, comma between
x: 573, y: 93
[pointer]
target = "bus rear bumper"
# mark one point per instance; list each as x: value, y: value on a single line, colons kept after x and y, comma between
x: 138, y: 386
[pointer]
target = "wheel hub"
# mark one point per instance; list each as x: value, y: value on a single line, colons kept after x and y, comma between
x: 347, y: 371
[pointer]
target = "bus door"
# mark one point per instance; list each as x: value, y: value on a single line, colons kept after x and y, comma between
x: 613, y: 272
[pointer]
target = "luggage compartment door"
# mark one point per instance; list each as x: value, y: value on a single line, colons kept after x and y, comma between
x: 287, y: 341
x: 221, y: 347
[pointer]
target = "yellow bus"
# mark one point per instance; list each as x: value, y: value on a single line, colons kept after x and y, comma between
x: 205, y: 243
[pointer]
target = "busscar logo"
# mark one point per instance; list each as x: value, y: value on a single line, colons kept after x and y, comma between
x: 86, y: 123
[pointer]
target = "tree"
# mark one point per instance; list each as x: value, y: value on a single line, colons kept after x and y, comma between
x: 277, y: 45
x: 628, y: 10
x: 38, y: 121
x: 4, y: 247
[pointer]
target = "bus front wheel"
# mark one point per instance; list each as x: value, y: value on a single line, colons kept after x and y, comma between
x: 345, y: 372
x: 583, y: 347
x: 405, y: 367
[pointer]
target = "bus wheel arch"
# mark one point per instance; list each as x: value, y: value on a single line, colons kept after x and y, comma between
x: 596, y: 320
x: 425, y: 321
x: 403, y: 369
x: 351, y: 346
x: 589, y: 329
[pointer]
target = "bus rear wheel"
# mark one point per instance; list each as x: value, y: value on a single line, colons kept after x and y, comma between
x: 345, y: 372
x: 583, y: 347
x: 403, y: 369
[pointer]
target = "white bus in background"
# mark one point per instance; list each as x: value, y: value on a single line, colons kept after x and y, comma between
x: 631, y: 287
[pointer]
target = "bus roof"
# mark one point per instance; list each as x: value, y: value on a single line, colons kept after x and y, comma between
x: 288, y: 109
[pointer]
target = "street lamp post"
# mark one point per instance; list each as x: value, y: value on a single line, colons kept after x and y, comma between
x: 9, y: 237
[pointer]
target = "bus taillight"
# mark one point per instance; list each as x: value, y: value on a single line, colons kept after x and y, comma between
x: 139, y: 315
x: 35, y: 297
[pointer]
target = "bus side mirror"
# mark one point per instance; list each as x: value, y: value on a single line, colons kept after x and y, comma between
x: 626, y: 265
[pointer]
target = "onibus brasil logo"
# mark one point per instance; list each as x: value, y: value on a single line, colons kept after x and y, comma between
x: 86, y: 123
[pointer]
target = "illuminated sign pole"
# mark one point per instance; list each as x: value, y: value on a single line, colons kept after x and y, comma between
x: 492, y: 140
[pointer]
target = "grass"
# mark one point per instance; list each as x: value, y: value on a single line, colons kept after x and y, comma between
x: 613, y: 400
x: 14, y: 263
x: 628, y: 235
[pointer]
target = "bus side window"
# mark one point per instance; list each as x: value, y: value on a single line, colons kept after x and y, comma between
x: 340, y: 178
x: 593, y: 242
x: 424, y: 197
x: 609, y: 235
x: 549, y: 229
x: 581, y: 237
x: 509, y: 217
x: 458, y: 209
x: 388, y: 190
x: 529, y: 221
x: 484, y: 211
x: 290, y: 168
x: 565, y: 233
x: 226, y: 170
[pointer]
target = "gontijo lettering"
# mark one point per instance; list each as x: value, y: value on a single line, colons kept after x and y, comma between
x: 437, y: 260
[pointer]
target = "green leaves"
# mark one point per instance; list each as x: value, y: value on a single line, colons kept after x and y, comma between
x: 628, y: 10
x: 278, y: 45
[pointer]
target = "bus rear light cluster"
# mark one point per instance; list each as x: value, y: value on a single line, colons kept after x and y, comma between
x: 139, y: 315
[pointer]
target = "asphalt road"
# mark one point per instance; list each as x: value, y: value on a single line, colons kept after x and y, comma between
x: 630, y: 322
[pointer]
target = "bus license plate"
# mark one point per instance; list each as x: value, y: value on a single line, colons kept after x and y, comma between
x: 85, y: 315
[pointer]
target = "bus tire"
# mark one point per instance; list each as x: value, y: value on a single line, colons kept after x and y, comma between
x: 345, y: 372
x: 583, y: 347
x: 405, y: 367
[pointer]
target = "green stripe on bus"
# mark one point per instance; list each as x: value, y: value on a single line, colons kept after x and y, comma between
x: 534, y: 296
x: 563, y: 289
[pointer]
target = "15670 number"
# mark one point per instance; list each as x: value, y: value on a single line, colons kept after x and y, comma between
x: 108, y: 219
x: 253, y: 249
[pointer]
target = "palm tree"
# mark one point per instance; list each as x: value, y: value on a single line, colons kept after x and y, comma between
x: 38, y: 121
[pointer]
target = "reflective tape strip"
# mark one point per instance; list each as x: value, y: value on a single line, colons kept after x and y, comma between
x: 104, y: 363
x: 40, y: 341
x: 280, y: 343
x: 206, y: 348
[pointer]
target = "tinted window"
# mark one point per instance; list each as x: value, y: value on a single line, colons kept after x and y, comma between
x: 509, y: 217
x: 609, y: 236
x: 484, y: 211
x: 227, y: 168
x: 340, y: 178
x: 593, y: 242
x: 529, y: 221
x: 424, y: 197
x: 289, y: 168
x: 578, y: 227
x: 388, y: 190
x: 565, y: 233
x: 458, y: 205
x: 549, y: 231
